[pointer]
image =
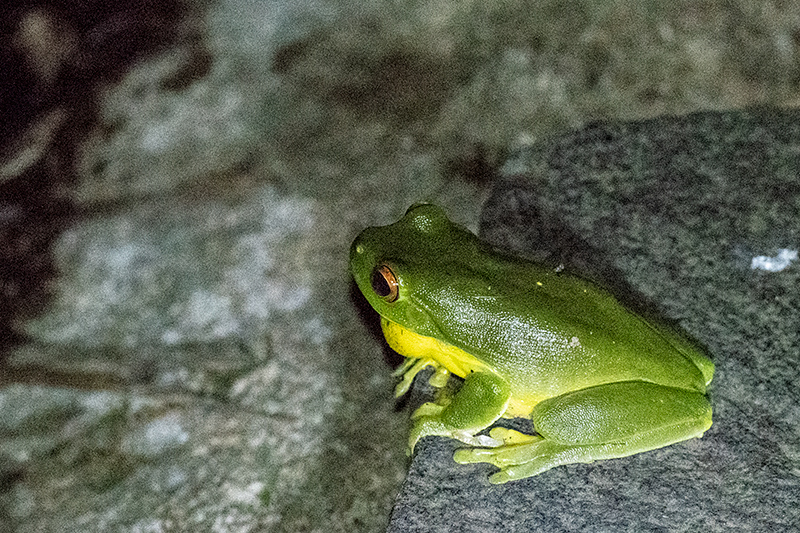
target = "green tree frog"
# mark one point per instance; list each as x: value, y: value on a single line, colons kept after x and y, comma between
x: 597, y: 380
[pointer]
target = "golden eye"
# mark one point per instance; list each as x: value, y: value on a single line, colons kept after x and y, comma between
x: 385, y: 284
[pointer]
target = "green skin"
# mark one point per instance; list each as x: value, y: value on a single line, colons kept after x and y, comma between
x: 597, y: 380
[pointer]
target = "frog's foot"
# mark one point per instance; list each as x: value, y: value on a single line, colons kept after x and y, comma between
x: 511, y: 436
x: 538, y: 454
x: 426, y: 425
x: 409, y: 370
x: 532, y: 456
x: 480, y: 401
x: 428, y: 409
x: 411, y: 367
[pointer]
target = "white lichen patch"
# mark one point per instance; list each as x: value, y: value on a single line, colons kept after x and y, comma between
x: 244, y: 494
x: 777, y: 263
x: 184, y: 273
x: 156, y: 437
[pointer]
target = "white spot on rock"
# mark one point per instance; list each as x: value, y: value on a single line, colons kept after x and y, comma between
x: 774, y: 264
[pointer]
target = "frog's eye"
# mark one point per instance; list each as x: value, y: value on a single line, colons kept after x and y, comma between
x: 385, y: 284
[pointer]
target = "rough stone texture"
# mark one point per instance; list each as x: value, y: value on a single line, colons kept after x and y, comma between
x: 678, y: 207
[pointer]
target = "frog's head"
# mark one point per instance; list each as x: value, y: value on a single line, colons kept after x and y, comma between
x: 406, y: 268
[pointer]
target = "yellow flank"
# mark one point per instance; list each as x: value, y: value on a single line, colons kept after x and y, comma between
x: 521, y: 407
x: 410, y: 344
x: 455, y: 360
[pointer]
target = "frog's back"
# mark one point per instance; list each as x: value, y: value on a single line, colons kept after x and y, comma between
x: 547, y: 332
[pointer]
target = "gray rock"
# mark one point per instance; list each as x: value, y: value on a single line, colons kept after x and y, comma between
x: 671, y: 212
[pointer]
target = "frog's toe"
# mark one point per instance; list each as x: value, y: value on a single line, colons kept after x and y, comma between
x: 479, y: 441
x: 425, y: 426
x: 502, y: 456
x: 427, y: 409
x: 496, y: 455
x: 515, y: 461
x: 507, y: 474
x: 521, y: 471
x: 473, y: 455
x: 512, y: 436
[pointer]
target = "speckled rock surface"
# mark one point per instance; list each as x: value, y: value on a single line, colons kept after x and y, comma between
x: 678, y: 208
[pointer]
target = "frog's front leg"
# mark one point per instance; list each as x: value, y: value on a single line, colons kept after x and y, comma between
x: 602, y: 422
x: 480, y: 401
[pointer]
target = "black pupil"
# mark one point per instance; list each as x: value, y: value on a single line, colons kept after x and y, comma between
x: 379, y: 284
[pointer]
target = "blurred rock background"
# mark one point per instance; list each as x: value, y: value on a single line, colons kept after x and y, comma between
x: 179, y: 185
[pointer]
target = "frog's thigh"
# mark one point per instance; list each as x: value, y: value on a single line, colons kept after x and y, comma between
x: 602, y: 422
x: 639, y: 415
x: 481, y: 401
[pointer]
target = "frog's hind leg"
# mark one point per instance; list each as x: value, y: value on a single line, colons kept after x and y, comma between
x: 602, y: 422
x: 519, y: 461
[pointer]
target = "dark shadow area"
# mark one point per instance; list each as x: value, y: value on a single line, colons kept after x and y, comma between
x: 476, y: 164
x: 372, y: 321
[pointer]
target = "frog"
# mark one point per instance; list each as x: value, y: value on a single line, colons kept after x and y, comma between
x: 525, y: 340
